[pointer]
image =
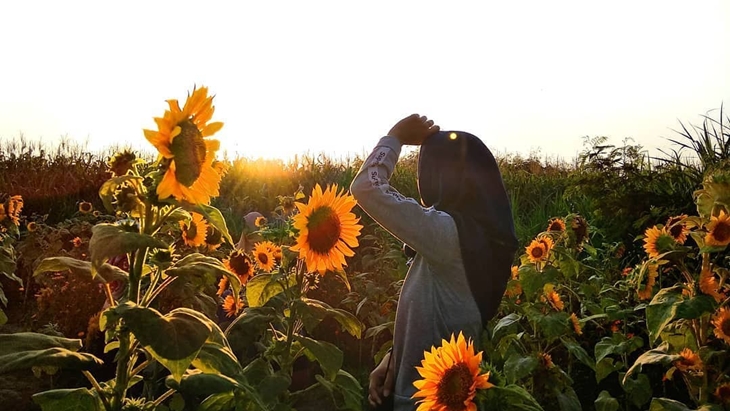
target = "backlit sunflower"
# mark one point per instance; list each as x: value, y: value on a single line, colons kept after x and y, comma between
x: 122, y: 162
x: 187, y: 154
x: 222, y: 286
x: 194, y: 231
x: 688, y: 362
x: 721, y: 321
x: 13, y: 208
x: 657, y: 241
x: 708, y: 282
x: 85, y: 207
x: 647, y: 291
x: 451, y: 376
x: 327, y: 229
x: 556, y: 224
x: 232, y: 305
x: 576, y: 324
x: 718, y: 230
x: 213, y: 238
x: 263, y: 256
x: 260, y: 221
x: 239, y: 263
x: 536, y: 251
x: 677, y: 228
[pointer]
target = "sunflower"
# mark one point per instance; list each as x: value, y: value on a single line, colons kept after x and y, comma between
x: 547, y: 243
x: 85, y: 207
x: 554, y: 299
x: 451, y: 376
x: 239, y: 263
x: 536, y: 251
x: 213, y: 238
x: 260, y: 221
x: 576, y: 324
x: 76, y: 242
x: 677, y: 228
x: 657, y: 241
x: 263, y: 256
x: 689, y: 361
x: 708, y: 283
x: 32, y: 226
x: 222, y: 286
x: 3, y: 214
x: 652, y: 272
x: 579, y: 227
x: 718, y: 230
x: 232, y: 305
x: 184, y: 150
x: 122, y: 162
x: 14, y: 206
x: 556, y: 224
x: 546, y: 360
x: 327, y: 229
x: 721, y: 321
x: 615, y: 326
x: 515, y: 272
x: 722, y: 393
x: 194, y: 231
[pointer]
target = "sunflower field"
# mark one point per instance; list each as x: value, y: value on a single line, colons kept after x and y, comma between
x: 183, y: 280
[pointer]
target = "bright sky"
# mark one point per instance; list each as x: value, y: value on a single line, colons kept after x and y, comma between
x: 333, y: 76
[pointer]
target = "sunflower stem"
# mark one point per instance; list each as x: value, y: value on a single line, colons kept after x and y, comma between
x: 159, y: 289
x: 98, y: 389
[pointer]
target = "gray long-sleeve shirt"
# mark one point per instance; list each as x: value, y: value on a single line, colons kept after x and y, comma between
x: 435, y: 300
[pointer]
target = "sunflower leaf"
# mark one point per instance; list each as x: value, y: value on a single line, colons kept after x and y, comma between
x: 26, y: 350
x: 197, y: 265
x: 109, y: 240
x: 326, y: 354
x: 662, y: 310
x: 81, y: 399
x: 80, y: 268
x: 656, y: 356
x: 107, y: 190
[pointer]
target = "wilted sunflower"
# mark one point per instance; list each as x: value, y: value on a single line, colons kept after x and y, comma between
x: 194, y: 231
x: 689, y: 361
x: 722, y: 393
x: 677, y: 228
x: 85, y: 207
x: 556, y: 224
x: 579, y: 229
x: 721, y: 321
x: 263, y: 256
x: 709, y: 284
x: 239, y: 263
x: 451, y: 376
x: 232, y: 305
x: 718, y: 230
x: 657, y: 241
x: 122, y: 162
x: 327, y: 229
x: 188, y: 155
x: 576, y: 324
x: 536, y: 251
x: 32, y: 226
x: 647, y: 291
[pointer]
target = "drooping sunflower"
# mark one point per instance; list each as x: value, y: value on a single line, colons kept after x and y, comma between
x: 185, y: 150
x: 239, y: 263
x: 327, y: 229
x: 721, y: 321
x: 556, y: 224
x: 688, y: 362
x: 677, y: 228
x: 657, y: 241
x: 709, y: 284
x: 85, y: 207
x: 718, y: 230
x: 120, y: 163
x: 576, y: 324
x: 194, y: 231
x: 647, y: 291
x: 451, y: 376
x: 263, y: 255
x: 536, y: 251
x: 232, y: 305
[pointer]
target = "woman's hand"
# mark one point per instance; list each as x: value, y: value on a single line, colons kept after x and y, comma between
x: 381, y: 382
x: 413, y: 129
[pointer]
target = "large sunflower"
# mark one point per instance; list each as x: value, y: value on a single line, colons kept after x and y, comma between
x: 327, y: 229
x: 450, y: 377
x: 239, y: 263
x: 721, y: 321
x: 718, y: 230
x: 194, y: 231
x: 263, y: 255
x: 657, y: 241
x: 188, y: 155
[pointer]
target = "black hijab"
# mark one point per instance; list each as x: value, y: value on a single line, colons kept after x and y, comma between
x: 457, y: 174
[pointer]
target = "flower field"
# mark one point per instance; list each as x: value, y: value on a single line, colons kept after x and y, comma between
x: 183, y: 280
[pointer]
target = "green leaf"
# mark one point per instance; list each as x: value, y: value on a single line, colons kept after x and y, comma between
x: 313, y: 311
x: 272, y: 386
x: 695, y: 307
x: 224, y: 401
x: 26, y: 350
x: 617, y: 344
x: 656, y: 356
x: 605, y: 367
x: 578, y: 351
x: 666, y: 404
x: 216, y: 355
x: 78, y: 399
x: 8, y: 263
x: 3, y: 318
x: 504, y: 323
x: 200, y: 384
x: 510, y: 397
x: 533, y: 281
x: 517, y: 367
x: 109, y: 240
x: 605, y: 402
x: 81, y: 269
x: 174, y: 339
x: 326, y: 354
x: 263, y: 287
x: 638, y: 390
x: 568, y: 400
x: 249, y: 326
x: 214, y: 217
x: 554, y: 325
x: 197, y: 265
x: 662, y: 310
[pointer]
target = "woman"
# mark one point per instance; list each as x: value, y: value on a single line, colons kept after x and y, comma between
x: 463, y: 235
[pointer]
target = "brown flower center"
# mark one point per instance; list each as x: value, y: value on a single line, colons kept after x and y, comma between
x: 324, y: 229
x: 676, y: 230
x: 537, y: 252
x: 263, y: 258
x: 725, y: 326
x: 721, y: 232
x: 188, y: 147
x: 455, y: 386
x: 555, y: 226
x: 213, y: 236
x: 241, y: 264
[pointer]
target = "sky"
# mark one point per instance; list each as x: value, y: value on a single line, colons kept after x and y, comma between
x: 333, y: 76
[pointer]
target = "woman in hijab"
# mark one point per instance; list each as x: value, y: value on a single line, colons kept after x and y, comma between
x: 462, y: 233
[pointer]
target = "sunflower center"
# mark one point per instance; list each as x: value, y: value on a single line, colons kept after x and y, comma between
x: 188, y: 147
x: 240, y: 264
x: 213, y: 236
x: 324, y: 229
x: 263, y: 258
x: 537, y: 252
x: 725, y: 326
x: 721, y: 232
x: 455, y: 386
x: 555, y: 226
